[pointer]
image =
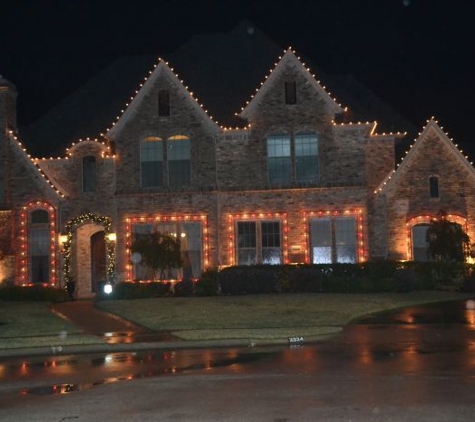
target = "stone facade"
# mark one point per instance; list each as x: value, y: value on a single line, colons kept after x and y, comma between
x: 55, y: 207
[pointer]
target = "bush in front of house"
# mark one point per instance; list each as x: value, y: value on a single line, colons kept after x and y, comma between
x: 208, y: 284
x: 256, y: 279
x: 127, y: 290
x: 33, y: 293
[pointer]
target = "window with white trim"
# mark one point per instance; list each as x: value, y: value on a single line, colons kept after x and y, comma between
x: 333, y: 240
x: 258, y: 242
x: 151, y: 162
x: 39, y: 238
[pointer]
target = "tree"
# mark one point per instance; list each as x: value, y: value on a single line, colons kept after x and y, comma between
x: 159, y: 251
x: 447, y: 240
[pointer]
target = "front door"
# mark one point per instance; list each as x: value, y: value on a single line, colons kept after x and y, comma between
x: 98, y: 261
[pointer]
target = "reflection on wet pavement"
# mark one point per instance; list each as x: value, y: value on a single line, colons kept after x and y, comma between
x: 407, y: 342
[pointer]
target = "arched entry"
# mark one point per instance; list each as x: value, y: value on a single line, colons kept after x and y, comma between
x: 88, y: 255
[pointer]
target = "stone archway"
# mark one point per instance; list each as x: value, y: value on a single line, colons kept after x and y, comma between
x: 83, y: 262
x: 84, y: 233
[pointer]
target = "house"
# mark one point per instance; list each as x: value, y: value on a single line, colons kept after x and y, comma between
x: 292, y: 181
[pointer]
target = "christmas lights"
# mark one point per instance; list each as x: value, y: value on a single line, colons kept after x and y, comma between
x: 71, y: 226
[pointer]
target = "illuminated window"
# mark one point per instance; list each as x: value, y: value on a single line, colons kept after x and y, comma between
x: 179, y: 161
x: 39, y: 246
x: 333, y: 240
x: 420, y: 245
x: 163, y: 102
x: 89, y: 174
x: 292, y: 159
x: 190, y: 235
x: 290, y: 92
x: 258, y: 242
x: 434, y: 186
x: 151, y: 162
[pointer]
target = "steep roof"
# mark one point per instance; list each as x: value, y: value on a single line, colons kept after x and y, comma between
x: 432, y: 129
x: 223, y: 70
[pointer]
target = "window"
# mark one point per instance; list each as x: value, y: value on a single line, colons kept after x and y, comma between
x: 190, y: 237
x: 420, y: 245
x: 89, y: 174
x: 178, y: 157
x: 165, y: 163
x: 434, y: 186
x: 258, y: 242
x: 39, y: 246
x: 163, y: 102
x: 292, y: 159
x: 290, y: 92
x: 333, y: 240
x: 306, y: 157
x: 151, y: 162
x: 279, y: 159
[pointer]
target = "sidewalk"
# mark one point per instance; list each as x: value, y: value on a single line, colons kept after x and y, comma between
x: 112, y: 328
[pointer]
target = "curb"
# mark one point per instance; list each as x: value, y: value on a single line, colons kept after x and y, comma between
x: 163, y: 345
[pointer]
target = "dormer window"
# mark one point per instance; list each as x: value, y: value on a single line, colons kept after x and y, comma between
x: 290, y: 92
x: 163, y: 102
x: 434, y: 186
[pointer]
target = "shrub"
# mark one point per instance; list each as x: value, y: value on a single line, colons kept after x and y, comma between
x: 208, y: 284
x: 128, y: 290
x: 249, y: 279
x: 33, y: 293
x: 184, y: 288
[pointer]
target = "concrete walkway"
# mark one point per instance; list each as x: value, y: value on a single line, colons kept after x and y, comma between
x: 112, y: 328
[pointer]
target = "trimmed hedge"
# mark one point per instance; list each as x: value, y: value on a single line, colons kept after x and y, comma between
x: 33, y: 293
x: 368, y: 277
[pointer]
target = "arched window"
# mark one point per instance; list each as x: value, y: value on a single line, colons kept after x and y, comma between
x: 39, y: 246
x: 89, y: 174
x: 434, y: 186
x: 151, y: 162
x: 420, y: 245
x: 179, y: 161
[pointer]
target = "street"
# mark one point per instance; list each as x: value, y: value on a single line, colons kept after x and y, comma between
x: 417, y: 364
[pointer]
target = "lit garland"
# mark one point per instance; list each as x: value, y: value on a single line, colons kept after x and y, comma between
x: 110, y: 245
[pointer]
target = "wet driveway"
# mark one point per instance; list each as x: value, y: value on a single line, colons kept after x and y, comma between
x: 413, y: 364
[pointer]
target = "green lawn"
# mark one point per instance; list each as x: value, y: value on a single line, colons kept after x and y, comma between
x: 32, y: 324
x: 262, y: 316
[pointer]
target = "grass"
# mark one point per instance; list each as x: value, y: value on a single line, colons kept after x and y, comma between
x: 33, y: 324
x: 262, y: 316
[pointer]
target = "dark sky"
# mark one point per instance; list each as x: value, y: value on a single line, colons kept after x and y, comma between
x: 418, y: 55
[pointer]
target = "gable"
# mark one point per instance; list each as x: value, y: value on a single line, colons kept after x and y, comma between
x: 432, y: 154
x: 143, y: 108
x: 291, y: 70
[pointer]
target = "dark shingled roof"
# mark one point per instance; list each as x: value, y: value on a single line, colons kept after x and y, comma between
x: 223, y: 70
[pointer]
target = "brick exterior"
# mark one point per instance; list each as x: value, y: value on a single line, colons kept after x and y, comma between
x: 229, y: 177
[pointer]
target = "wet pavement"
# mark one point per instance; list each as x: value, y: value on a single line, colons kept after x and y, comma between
x: 414, y: 364
x: 112, y: 328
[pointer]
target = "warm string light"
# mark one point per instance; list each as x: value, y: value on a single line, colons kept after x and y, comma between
x: 427, y: 219
x: 25, y: 258
x: 139, y: 91
x: 259, y: 216
x: 158, y: 218
x: 43, y: 175
x: 356, y: 213
x: 105, y: 149
x: 70, y: 228
x: 290, y: 54
x: 431, y: 123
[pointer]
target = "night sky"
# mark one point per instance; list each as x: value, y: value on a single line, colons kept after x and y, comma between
x: 417, y: 55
